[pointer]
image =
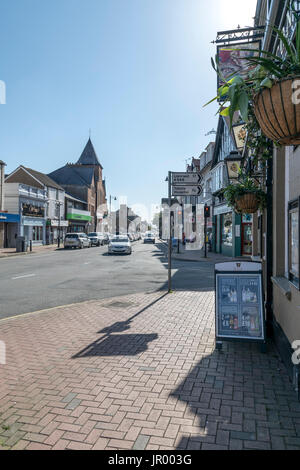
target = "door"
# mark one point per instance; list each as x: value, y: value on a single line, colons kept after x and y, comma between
x: 247, y: 239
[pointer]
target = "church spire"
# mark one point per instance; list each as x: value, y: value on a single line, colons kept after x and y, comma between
x: 89, y: 156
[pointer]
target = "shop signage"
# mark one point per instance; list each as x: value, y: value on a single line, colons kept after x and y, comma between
x: 223, y: 209
x: 33, y: 222
x: 6, y: 217
x: 239, y: 302
x: 63, y: 223
x: 76, y: 214
x: 29, y: 210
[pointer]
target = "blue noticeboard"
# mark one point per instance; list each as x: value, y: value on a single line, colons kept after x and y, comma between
x: 239, y: 302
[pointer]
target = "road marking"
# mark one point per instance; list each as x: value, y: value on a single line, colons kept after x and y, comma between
x: 24, y: 275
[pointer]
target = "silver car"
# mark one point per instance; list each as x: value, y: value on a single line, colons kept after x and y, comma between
x: 98, y: 238
x: 76, y: 240
x: 120, y: 244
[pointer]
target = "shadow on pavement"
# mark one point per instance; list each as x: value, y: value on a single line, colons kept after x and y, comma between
x: 235, y: 398
x: 119, y: 345
x: 111, y: 344
x: 186, y: 275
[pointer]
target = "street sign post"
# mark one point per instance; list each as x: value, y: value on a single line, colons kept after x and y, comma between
x: 170, y: 235
x: 180, y: 184
x: 187, y: 190
x: 186, y: 179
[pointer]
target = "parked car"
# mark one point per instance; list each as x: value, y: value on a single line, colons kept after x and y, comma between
x: 98, y: 238
x: 149, y: 238
x: 77, y: 240
x: 130, y: 236
x: 120, y: 244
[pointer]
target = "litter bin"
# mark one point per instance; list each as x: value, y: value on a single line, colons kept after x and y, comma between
x: 21, y: 244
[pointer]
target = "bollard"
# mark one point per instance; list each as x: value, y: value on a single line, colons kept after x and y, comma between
x: 30, y: 245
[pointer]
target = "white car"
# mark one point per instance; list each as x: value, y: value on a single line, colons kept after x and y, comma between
x: 149, y: 238
x: 120, y: 244
x: 77, y: 240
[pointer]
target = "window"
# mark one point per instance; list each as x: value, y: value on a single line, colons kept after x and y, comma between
x: 37, y: 234
x: 294, y: 242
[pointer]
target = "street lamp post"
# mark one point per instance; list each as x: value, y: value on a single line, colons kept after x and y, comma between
x: 110, y: 199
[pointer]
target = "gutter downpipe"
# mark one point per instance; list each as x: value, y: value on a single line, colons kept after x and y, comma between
x: 269, y: 247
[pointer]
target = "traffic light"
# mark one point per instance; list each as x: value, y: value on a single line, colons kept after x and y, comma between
x: 207, y: 211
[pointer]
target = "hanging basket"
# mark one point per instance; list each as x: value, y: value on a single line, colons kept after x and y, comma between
x: 247, y: 204
x: 278, y: 113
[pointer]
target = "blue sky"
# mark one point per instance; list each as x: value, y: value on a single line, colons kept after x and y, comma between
x: 136, y: 72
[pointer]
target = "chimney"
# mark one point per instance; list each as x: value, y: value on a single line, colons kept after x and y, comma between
x: 2, y: 167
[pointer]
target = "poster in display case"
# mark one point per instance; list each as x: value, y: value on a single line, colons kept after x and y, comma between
x: 239, y: 302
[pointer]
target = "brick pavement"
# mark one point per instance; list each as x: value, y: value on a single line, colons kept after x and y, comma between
x: 140, y: 372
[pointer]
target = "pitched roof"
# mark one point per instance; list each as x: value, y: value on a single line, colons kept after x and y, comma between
x: 73, y: 175
x: 44, y: 179
x: 89, y: 156
x: 21, y: 175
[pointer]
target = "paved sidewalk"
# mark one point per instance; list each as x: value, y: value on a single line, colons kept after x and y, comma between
x: 140, y: 372
x: 6, y: 252
x: 188, y: 253
x: 198, y: 255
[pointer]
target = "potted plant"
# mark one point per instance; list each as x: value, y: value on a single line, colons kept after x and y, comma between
x: 271, y: 93
x: 245, y: 196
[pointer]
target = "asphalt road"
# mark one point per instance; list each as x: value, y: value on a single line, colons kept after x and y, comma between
x: 40, y: 281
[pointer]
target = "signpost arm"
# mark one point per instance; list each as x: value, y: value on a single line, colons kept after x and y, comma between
x: 170, y: 239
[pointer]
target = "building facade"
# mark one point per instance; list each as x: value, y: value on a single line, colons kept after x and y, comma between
x: 78, y: 217
x: 28, y: 202
x: 278, y: 237
x: 55, y: 206
x: 83, y: 180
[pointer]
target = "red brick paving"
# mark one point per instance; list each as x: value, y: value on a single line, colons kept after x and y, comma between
x: 142, y: 375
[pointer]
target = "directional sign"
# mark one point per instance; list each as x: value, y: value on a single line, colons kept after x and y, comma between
x: 186, y: 178
x: 187, y: 190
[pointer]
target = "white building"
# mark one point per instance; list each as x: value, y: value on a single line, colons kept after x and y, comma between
x: 39, y: 201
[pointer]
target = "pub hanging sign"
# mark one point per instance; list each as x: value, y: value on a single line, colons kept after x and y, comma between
x: 239, y: 302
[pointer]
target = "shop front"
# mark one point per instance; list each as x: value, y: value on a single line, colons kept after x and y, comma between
x: 54, y: 228
x: 227, y: 231
x: 33, y: 222
x: 34, y: 229
x: 8, y: 229
x: 79, y: 220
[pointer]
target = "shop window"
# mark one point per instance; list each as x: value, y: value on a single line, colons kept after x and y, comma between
x: 37, y: 234
x: 294, y: 242
x: 227, y: 229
